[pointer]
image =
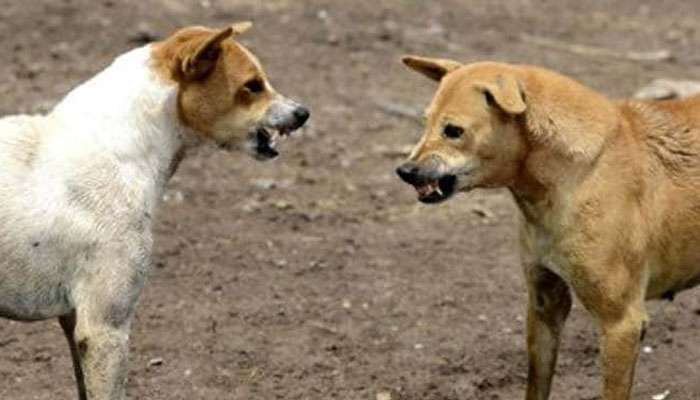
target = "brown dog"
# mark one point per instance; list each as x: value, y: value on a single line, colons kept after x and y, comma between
x: 609, y: 194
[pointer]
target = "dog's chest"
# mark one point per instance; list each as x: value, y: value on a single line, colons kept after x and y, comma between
x: 540, y: 248
x: 548, y: 255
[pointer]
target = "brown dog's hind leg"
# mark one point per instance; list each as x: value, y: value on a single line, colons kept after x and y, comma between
x: 549, y: 303
x: 68, y: 324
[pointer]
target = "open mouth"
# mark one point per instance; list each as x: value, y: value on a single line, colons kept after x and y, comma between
x: 436, y: 190
x: 265, y: 141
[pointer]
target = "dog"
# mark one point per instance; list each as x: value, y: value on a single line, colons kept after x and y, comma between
x: 608, y: 193
x: 82, y: 183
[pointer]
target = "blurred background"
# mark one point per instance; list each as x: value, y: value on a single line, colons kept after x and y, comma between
x: 318, y: 276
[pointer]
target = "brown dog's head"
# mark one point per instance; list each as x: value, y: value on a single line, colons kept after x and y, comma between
x: 224, y: 93
x: 473, y: 136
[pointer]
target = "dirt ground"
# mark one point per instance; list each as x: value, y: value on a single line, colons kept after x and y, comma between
x: 318, y: 276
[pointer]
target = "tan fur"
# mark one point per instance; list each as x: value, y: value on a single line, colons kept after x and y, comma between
x: 609, y: 194
x: 211, y: 70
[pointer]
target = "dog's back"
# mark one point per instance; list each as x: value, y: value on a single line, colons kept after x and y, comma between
x: 670, y: 131
x: 19, y: 142
x: 667, y: 134
x: 20, y: 147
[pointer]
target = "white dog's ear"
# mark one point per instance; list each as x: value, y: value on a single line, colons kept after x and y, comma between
x: 433, y: 68
x: 201, y: 62
x: 240, y: 28
x: 506, y: 93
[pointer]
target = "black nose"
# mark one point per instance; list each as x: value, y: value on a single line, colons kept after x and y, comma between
x: 301, y: 115
x: 408, y: 172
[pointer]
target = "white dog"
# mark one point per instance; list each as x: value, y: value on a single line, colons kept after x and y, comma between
x: 80, y: 185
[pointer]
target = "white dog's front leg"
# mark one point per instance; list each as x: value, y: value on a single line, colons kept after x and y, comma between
x: 103, y: 353
x: 105, y: 302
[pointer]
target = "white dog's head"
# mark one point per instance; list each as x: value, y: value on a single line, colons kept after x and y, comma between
x: 224, y: 93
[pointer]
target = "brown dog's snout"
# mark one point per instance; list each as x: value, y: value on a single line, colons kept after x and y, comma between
x: 409, y: 172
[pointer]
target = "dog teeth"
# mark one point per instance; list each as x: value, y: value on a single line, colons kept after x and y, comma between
x: 429, y: 188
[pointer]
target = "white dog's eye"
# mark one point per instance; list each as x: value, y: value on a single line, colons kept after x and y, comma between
x: 255, y: 85
x: 452, y: 131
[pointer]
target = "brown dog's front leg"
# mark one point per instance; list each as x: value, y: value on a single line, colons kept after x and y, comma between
x: 619, y: 349
x: 615, y: 297
x: 549, y: 303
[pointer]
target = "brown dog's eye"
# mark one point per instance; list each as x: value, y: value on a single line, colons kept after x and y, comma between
x: 255, y: 85
x: 489, y: 98
x: 452, y: 131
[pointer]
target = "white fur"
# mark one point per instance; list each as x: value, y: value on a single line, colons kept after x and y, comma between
x: 79, y: 188
x: 81, y: 184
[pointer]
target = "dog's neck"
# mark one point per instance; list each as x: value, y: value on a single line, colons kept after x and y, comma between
x: 565, y: 137
x: 542, y: 186
x: 129, y: 113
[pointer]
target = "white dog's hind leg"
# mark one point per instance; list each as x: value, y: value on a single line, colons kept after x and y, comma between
x: 68, y: 324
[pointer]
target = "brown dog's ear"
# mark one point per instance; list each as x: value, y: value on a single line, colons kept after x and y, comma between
x: 506, y: 93
x: 433, y: 68
x: 566, y: 116
x: 202, y: 61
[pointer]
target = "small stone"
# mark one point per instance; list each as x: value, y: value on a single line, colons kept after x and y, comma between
x: 265, y: 184
x: 482, y: 212
x: 333, y: 40
x: 647, y: 349
x: 173, y: 196
x: 251, y: 206
x: 155, y: 362
x: 660, y: 89
x: 347, y: 304
x: 282, y: 205
x: 386, y: 396
x: 322, y: 15
x: 418, y: 346
x: 661, y: 396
